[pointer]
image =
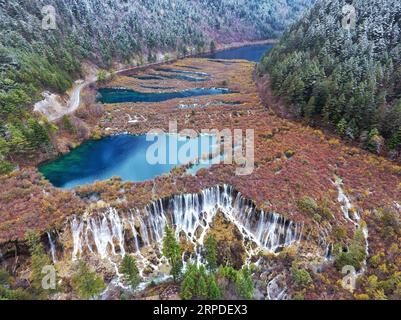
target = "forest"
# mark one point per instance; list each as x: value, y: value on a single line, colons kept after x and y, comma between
x: 347, y: 78
x: 128, y: 31
x: 324, y: 106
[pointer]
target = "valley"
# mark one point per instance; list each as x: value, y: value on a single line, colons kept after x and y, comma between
x: 308, y: 197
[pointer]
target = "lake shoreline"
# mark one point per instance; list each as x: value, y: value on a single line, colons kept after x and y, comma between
x: 70, y: 101
x: 90, y: 87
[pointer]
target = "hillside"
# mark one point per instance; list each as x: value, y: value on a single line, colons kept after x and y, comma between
x: 347, y: 78
x: 311, y: 206
x: 134, y: 31
x: 119, y: 198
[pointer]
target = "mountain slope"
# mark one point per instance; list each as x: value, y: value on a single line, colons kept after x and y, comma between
x: 349, y: 78
x: 131, y: 31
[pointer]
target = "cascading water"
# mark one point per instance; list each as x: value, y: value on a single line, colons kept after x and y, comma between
x: 352, y: 215
x: 52, y: 247
x: 346, y: 206
x: 324, y: 233
x: 275, y: 289
x: 110, y: 233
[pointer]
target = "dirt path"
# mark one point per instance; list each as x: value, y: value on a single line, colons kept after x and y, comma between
x: 54, y: 107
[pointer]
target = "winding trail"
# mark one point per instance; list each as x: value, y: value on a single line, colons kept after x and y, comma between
x: 53, y: 107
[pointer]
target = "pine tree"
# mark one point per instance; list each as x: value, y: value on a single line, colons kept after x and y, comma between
x: 5, y: 166
x: 130, y: 270
x: 342, y: 126
x: 172, y: 251
x: 18, y: 140
x: 176, y: 270
x: 213, y: 288
x: 4, y: 148
x: 211, y: 253
x: 38, y: 260
x: 201, y: 287
x: 101, y: 76
x: 244, y: 283
x: 352, y: 75
x: 187, y: 287
x: 395, y: 140
x: 310, y: 108
x: 37, y: 134
x: 67, y: 124
x: 189, y: 282
x: 212, y: 46
x: 87, y: 284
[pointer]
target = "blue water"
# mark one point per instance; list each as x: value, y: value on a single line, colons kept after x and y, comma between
x: 148, y: 77
x: 124, y: 156
x: 251, y: 53
x: 111, y: 95
x: 156, y: 87
x: 191, y: 67
x: 194, y: 73
x: 184, y: 77
x: 177, y: 76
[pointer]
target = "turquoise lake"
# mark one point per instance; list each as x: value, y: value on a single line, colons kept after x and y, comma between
x: 124, y: 156
x: 252, y: 53
x: 113, y: 95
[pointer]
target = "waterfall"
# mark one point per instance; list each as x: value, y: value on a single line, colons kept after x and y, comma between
x: 112, y: 233
x: 52, y: 247
x: 324, y: 234
x: 76, y: 230
x: 275, y: 291
x: 349, y: 209
x: 345, y: 203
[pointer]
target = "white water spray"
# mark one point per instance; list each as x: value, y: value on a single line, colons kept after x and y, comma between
x: 110, y: 233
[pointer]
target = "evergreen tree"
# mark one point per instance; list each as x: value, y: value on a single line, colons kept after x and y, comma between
x: 130, y: 271
x: 244, y: 283
x: 67, y: 124
x: 176, y: 270
x: 87, y: 284
x: 349, y: 79
x: 4, y: 147
x: 300, y: 276
x: 37, y: 134
x: 342, y: 126
x: 5, y: 166
x: 189, y: 282
x: 395, y: 140
x: 211, y: 253
x: 213, y: 288
x: 212, y: 46
x: 310, y: 108
x: 102, y: 76
x: 201, y: 287
x: 18, y: 140
x: 187, y: 287
x: 172, y: 251
x: 38, y: 260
